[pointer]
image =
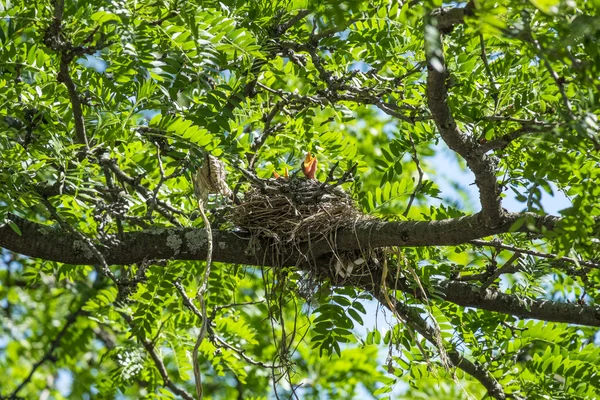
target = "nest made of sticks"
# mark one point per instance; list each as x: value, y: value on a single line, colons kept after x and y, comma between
x: 292, y: 210
x: 299, y: 213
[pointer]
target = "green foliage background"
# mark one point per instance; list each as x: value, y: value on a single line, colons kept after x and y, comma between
x: 161, y: 81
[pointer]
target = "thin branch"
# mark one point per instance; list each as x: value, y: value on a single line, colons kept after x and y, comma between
x: 559, y: 82
x: 221, y: 342
x: 216, y: 309
x: 159, y: 21
x: 522, y: 121
x: 282, y: 28
x: 163, y: 208
x: 268, y: 130
x: 158, y: 362
x: 332, y: 31
x: 87, y: 242
x: 486, y: 64
x: 494, y: 389
x: 499, y: 245
x: 468, y: 295
x: 70, y: 320
x: 190, y: 305
x: 507, y: 268
x: 505, y: 140
x: 65, y: 77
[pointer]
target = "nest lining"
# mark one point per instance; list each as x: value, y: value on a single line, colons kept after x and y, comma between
x: 292, y: 210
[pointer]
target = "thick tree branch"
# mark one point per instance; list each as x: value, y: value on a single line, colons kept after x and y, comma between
x: 494, y: 389
x: 56, y: 244
x: 52, y: 243
x: 467, y: 295
x: 482, y: 166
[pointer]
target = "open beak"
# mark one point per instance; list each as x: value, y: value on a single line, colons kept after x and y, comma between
x: 309, y: 166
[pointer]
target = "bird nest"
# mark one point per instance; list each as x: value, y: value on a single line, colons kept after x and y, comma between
x: 294, y: 209
x: 297, y: 213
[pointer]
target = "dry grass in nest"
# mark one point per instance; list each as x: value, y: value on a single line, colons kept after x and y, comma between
x: 295, y: 211
x: 292, y: 210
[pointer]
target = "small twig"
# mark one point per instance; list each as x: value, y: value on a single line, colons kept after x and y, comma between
x: 159, y: 21
x: 252, y: 177
x: 513, y: 328
x: 163, y: 208
x: 242, y: 353
x: 332, y: 31
x: 559, y: 82
x: 507, y: 268
x: 347, y: 176
x: 523, y: 121
x: 216, y: 309
x: 505, y: 140
x: 268, y: 131
x: 282, y: 28
x: 330, y: 177
x: 65, y: 77
x: 486, y: 64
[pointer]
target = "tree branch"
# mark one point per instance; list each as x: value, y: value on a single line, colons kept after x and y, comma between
x: 482, y: 166
x: 53, y: 345
x: 494, y: 389
x: 550, y: 256
x: 158, y: 362
x: 51, y: 243
x: 467, y: 295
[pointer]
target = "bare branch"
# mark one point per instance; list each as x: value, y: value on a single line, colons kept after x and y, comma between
x: 48, y: 354
x: 499, y: 245
x: 495, y: 390
x: 467, y: 295
x: 482, y: 166
x: 158, y: 362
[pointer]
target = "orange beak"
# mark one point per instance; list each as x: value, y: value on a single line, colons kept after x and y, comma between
x: 286, y: 174
x: 309, y: 166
